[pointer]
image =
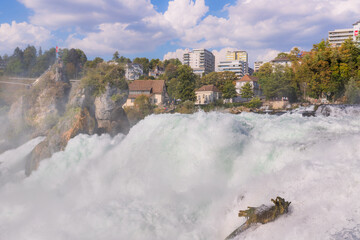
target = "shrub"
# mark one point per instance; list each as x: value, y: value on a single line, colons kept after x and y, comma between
x: 97, y: 78
x: 254, y: 103
x: 352, y: 92
x: 187, y: 107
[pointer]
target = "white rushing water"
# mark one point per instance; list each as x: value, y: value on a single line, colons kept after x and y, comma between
x: 186, y: 176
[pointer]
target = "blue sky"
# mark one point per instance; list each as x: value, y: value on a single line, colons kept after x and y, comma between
x: 159, y: 28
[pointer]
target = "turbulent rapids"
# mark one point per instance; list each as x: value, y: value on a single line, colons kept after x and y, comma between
x: 186, y: 177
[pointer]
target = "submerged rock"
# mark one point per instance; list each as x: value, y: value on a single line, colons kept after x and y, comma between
x: 262, y: 214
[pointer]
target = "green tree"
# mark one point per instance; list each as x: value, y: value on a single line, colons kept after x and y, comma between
x: 123, y: 60
x: 43, y: 62
x: 143, y: 105
x: 218, y: 79
x: 186, y: 83
x: 246, y: 91
x: 352, y: 92
x: 98, y: 78
x: 174, y: 61
x: 29, y: 59
x: 94, y: 63
x: 115, y: 56
x: 144, y: 62
x: 229, y: 90
x: 155, y: 62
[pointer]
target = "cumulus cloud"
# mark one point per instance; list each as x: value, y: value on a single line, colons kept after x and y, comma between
x: 258, y: 26
x: 184, y: 14
x: 179, y: 53
x: 271, y: 24
x: 87, y: 14
x: 121, y: 37
x: 22, y: 34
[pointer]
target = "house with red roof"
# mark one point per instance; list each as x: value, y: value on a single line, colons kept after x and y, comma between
x: 154, y: 89
x: 248, y: 79
x: 207, y: 94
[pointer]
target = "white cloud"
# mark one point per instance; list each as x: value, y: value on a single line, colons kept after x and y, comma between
x: 87, y: 14
x: 121, y: 37
x: 184, y: 14
x: 179, y: 53
x: 257, y: 26
x: 22, y: 34
x: 271, y: 24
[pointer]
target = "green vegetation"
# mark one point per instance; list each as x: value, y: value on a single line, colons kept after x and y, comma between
x: 32, y: 63
x: 254, y: 103
x: 323, y: 72
x: 142, y: 108
x: 185, y: 88
x: 352, y: 91
x: 97, y: 78
x: 187, y: 107
x: 246, y: 91
x: 229, y: 90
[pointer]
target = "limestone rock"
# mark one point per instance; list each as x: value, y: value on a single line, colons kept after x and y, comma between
x: 110, y: 115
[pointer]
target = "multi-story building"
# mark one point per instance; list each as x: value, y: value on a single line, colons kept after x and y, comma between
x: 257, y: 65
x: 133, y: 71
x: 338, y: 36
x: 238, y: 67
x: 201, y: 61
x: 238, y: 56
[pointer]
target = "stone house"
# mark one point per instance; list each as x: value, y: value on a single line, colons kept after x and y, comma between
x: 207, y: 94
x: 154, y: 89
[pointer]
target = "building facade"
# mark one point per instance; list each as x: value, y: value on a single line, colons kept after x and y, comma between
x: 239, y: 56
x: 248, y: 79
x: 284, y: 61
x: 154, y: 89
x: 240, y: 68
x: 133, y: 71
x: 338, y: 36
x: 207, y: 94
x: 257, y: 65
x: 201, y: 61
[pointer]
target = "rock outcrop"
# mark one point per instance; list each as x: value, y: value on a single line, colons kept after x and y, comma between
x: 262, y: 214
x: 109, y: 113
x: 55, y: 109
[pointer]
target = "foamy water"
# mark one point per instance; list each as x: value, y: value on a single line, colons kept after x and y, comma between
x: 186, y: 177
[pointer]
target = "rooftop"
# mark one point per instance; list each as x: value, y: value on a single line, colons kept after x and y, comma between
x: 153, y: 86
x: 208, y: 88
x: 248, y: 78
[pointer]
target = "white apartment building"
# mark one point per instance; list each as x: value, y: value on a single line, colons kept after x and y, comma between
x: 284, y: 61
x: 201, y: 61
x: 257, y: 65
x: 240, y: 68
x: 133, y: 71
x: 338, y: 36
x: 239, y: 56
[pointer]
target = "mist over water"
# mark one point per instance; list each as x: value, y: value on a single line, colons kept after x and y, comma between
x: 186, y: 177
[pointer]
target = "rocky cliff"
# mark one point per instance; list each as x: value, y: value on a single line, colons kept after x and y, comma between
x: 58, y: 110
